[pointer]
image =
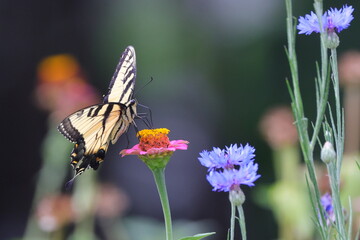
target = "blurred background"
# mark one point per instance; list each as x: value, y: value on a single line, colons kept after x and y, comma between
x: 218, y: 69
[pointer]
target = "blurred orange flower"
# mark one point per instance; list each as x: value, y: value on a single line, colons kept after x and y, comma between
x: 59, y: 68
x: 62, y: 88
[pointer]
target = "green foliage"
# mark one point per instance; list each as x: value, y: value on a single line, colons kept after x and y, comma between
x: 198, y: 236
x: 327, y: 73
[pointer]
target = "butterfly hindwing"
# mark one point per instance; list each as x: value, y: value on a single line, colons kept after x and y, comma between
x: 90, y: 129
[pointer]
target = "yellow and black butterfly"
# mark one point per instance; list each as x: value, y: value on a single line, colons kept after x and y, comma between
x: 93, y: 128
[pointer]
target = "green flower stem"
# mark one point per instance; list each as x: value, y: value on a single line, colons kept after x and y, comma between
x: 297, y: 106
x: 84, y: 203
x: 53, y: 151
x: 339, y: 217
x: 334, y: 168
x: 307, y: 146
x: 323, y: 79
x: 292, y: 55
x: 159, y: 176
x: 84, y: 230
x: 232, y: 221
x: 242, y: 221
x: 318, y: 6
x: 58, y: 235
x: 339, y: 118
x: 286, y: 162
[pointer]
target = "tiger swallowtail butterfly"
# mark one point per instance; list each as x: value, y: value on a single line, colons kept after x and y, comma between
x: 93, y: 128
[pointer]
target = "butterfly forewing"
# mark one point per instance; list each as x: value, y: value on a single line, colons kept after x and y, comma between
x: 121, y: 87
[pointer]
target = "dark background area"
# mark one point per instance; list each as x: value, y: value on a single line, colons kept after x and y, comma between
x: 217, y: 67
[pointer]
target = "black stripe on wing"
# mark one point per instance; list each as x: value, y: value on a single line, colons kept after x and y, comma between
x: 68, y: 130
x: 77, y: 124
x: 122, y: 83
x: 106, y: 114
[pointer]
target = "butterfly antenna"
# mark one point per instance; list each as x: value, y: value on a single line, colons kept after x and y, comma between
x: 142, y: 87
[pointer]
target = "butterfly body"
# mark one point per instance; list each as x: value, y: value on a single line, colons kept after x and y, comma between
x: 93, y: 128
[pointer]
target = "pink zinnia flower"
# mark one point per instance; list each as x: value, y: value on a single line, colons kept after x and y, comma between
x: 155, y: 144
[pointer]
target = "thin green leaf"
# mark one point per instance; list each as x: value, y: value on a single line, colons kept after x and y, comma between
x: 327, y: 129
x: 357, y: 234
x: 350, y: 219
x: 333, y: 127
x: 294, y: 28
x: 319, y: 142
x: 340, y: 145
x: 317, y: 137
x: 198, y: 236
x: 318, y: 76
x: 286, y: 52
x: 290, y: 90
x: 318, y: 85
x: 317, y: 92
x: 315, y: 209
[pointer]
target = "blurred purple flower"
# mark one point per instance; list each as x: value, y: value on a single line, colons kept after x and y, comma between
x: 231, y: 167
x: 326, y: 202
x: 332, y: 20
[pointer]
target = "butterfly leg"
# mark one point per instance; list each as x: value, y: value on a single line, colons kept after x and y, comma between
x: 146, y: 117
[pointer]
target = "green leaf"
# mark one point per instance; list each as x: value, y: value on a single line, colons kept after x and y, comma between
x: 198, y: 236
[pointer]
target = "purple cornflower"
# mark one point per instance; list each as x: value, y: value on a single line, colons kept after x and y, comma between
x: 326, y: 202
x: 332, y: 20
x: 227, y: 158
x: 231, y: 167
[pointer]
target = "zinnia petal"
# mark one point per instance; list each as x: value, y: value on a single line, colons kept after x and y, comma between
x: 155, y: 141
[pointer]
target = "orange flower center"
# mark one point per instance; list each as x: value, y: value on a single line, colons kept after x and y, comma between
x: 153, y: 138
